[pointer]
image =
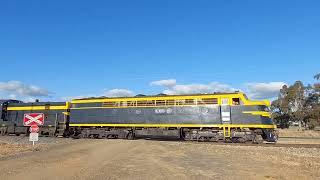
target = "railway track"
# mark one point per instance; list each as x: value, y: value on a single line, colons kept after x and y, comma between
x: 275, y: 145
x: 293, y: 142
x: 296, y: 142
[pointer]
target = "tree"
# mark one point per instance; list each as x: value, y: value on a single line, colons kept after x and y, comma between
x: 317, y: 85
x: 313, y: 102
x: 297, y: 103
x: 279, y: 115
x: 312, y: 109
x: 280, y: 108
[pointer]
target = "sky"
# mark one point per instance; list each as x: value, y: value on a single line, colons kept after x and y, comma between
x: 59, y: 50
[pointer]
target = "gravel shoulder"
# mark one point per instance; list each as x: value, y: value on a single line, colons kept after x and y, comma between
x: 11, y: 146
x: 151, y: 159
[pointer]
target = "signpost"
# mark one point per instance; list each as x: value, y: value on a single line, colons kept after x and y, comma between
x: 33, y: 120
x: 33, y: 137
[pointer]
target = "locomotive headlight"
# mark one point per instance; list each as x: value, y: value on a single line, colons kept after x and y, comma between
x: 267, y: 109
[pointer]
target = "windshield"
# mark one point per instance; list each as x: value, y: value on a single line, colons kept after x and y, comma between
x: 245, y: 96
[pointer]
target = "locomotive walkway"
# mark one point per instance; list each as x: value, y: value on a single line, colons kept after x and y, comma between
x: 146, y: 159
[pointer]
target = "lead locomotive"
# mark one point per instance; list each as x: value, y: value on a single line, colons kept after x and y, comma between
x: 203, y: 117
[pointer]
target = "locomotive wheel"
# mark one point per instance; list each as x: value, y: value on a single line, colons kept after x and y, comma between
x: 109, y: 136
x: 257, y: 139
x: 241, y: 140
x: 201, y: 139
x: 182, y: 135
x: 234, y: 140
x: 228, y: 140
x: 112, y: 136
x: 78, y: 136
x: 2, y: 133
x: 96, y: 136
x: 130, y: 136
x: 214, y: 139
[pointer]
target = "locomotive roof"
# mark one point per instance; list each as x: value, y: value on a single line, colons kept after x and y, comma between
x: 159, y: 95
x: 38, y: 104
x: 4, y: 100
x: 9, y: 101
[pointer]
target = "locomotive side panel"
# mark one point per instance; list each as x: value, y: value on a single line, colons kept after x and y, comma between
x: 210, y: 114
x: 150, y: 115
x: 250, y: 114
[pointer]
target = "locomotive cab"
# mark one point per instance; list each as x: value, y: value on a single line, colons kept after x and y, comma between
x: 5, y: 123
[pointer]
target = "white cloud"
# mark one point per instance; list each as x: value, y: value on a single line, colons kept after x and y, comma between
x: 264, y: 90
x: 119, y: 93
x: 25, y: 92
x: 165, y: 82
x: 173, y: 88
x: 12, y: 96
x: 17, y: 88
x: 69, y: 98
x: 106, y: 93
x: 27, y: 99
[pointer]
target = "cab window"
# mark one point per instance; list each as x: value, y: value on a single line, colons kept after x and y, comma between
x: 225, y: 101
x: 236, y: 101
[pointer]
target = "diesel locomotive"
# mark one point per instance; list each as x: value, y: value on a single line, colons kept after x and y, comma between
x: 55, y: 123
x: 229, y: 117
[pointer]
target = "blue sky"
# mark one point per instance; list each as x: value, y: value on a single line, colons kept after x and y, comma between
x: 84, y: 48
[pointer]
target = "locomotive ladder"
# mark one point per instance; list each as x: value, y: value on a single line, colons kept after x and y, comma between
x: 226, y: 131
x: 61, y: 125
x: 225, y: 112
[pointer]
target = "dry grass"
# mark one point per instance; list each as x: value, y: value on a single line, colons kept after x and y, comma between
x: 8, y: 149
x: 295, y: 133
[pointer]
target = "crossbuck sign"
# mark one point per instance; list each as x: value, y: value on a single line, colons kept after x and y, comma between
x: 30, y: 119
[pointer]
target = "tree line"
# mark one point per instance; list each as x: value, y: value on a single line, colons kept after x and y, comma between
x: 298, y: 104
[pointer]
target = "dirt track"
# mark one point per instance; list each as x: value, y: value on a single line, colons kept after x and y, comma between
x: 146, y: 159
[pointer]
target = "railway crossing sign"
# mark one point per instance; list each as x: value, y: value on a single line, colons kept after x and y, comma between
x: 33, y: 137
x: 34, y: 129
x: 30, y: 119
x: 33, y: 120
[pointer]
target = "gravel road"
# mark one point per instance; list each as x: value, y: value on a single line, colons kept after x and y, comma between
x: 150, y: 159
